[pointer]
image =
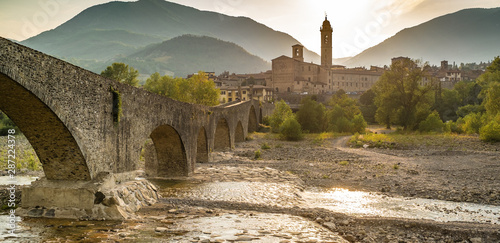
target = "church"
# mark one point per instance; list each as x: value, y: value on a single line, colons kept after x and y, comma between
x: 293, y: 75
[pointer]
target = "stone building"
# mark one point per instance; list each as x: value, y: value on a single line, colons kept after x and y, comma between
x: 293, y: 75
x: 243, y: 93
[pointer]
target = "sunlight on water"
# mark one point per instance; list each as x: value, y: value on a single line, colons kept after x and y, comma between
x: 373, y: 204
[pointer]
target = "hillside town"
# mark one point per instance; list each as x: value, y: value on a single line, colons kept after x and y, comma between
x: 293, y: 76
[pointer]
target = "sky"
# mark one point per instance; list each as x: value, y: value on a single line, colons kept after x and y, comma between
x: 357, y: 24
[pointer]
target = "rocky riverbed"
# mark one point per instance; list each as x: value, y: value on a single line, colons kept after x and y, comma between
x: 239, y: 198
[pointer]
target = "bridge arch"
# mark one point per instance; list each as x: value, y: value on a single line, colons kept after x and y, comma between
x: 222, y: 137
x: 58, y: 150
x: 171, y: 159
x: 252, y: 120
x: 202, y: 146
x: 239, y: 135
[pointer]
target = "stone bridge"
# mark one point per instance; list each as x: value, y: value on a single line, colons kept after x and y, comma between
x: 82, y: 125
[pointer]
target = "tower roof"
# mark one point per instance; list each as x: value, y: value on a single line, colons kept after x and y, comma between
x: 326, y: 25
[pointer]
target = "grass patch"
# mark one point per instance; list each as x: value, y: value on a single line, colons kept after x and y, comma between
x: 372, y: 140
x: 265, y: 146
x: 408, y: 140
x: 319, y: 139
x: 344, y: 163
x: 257, y: 155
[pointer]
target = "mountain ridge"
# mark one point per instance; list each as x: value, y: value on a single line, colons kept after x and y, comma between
x: 206, y: 53
x: 467, y: 35
x: 163, y: 20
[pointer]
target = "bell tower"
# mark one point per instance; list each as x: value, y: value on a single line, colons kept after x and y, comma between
x: 298, y: 52
x: 326, y: 43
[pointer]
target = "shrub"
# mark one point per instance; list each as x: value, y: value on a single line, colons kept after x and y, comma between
x: 266, y: 121
x: 258, y: 154
x: 320, y: 138
x: 344, y: 163
x: 472, y: 123
x: 291, y: 130
x: 432, y: 123
x: 490, y: 132
x: 281, y: 112
x: 265, y: 146
x: 358, y: 124
x: 312, y: 115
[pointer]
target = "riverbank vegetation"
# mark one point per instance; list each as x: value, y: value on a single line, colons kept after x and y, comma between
x: 402, y: 98
x: 26, y: 158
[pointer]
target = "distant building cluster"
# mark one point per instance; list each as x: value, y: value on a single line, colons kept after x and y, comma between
x: 291, y: 75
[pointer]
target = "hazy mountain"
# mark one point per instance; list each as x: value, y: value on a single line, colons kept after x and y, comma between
x: 104, y: 31
x: 189, y: 54
x: 470, y: 35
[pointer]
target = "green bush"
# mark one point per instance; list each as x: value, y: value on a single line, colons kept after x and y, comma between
x: 343, y: 125
x: 472, y: 123
x: 265, y: 146
x: 258, y: 154
x: 453, y: 127
x: 432, y: 123
x: 358, y: 124
x: 291, y: 130
x: 312, y: 115
x: 266, y: 121
x: 490, y: 132
x: 281, y: 112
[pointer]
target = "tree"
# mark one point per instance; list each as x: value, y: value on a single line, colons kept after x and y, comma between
x: 399, y: 91
x: 122, y: 73
x: 197, y: 89
x: 281, y: 112
x: 358, y: 124
x: 311, y: 115
x: 290, y: 129
x: 432, y: 123
x: 368, y: 107
x: 204, y: 91
x: 492, y: 101
x: 448, y: 104
x: 349, y: 106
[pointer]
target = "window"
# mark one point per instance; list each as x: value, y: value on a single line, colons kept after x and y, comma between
x: 298, y: 82
x: 244, y: 92
x: 309, y: 79
x: 342, y: 77
x: 229, y: 99
x: 309, y: 68
x: 229, y: 93
x: 223, y: 92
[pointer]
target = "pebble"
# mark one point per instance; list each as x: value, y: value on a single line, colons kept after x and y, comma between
x: 245, y: 238
x: 330, y: 225
x: 161, y: 229
x: 476, y: 240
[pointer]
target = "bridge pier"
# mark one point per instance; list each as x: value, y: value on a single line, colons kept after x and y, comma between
x: 107, y: 197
